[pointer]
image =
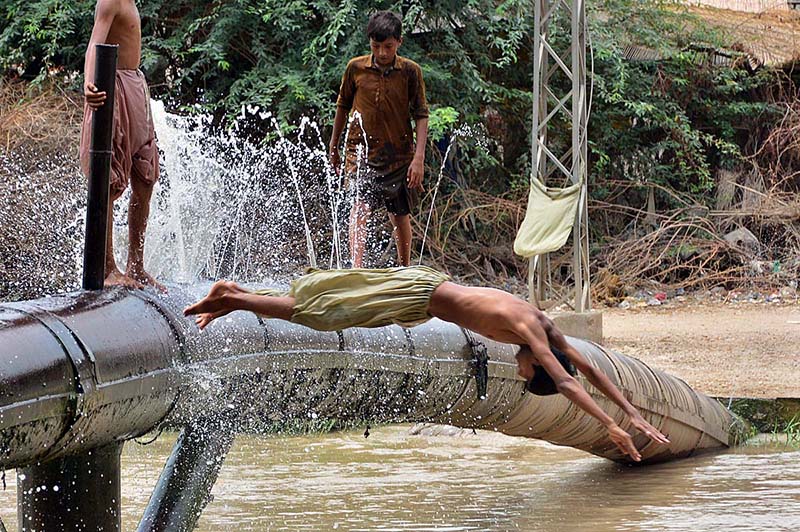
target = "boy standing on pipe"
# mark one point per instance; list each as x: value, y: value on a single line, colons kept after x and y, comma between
x: 331, y: 300
x: 382, y: 161
x: 135, y: 154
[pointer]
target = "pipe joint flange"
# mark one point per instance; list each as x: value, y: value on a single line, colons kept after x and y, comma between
x: 79, y: 355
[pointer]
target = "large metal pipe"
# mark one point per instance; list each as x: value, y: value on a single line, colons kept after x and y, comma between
x: 88, y: 369
x: 80, y: 372
x: 94, y: 251
x: 50, y: 368
x: 92, y: 369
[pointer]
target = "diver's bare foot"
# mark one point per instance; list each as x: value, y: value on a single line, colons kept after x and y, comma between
x: 117, y: 278
x: 146, y: 279
x: 214, y: 304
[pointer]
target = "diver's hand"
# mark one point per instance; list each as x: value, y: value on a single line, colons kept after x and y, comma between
x: 640, y: 424
x: 624, y: 441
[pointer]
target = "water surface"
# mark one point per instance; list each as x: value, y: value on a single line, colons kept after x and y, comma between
x: 485, y: 481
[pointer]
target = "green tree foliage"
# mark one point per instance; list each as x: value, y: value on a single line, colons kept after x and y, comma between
x: 288, y: 55
x: 672, y: 119
x: 669, y: 121
x: 38, y: 37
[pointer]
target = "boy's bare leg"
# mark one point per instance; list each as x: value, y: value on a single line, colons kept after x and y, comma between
x: 113, y: 276
x: 138, y: 214
x: 358, y: 232
x: 226, y: 297
x: 402, y: 237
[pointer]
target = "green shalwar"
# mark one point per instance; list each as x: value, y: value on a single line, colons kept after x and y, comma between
x: 332, y: 300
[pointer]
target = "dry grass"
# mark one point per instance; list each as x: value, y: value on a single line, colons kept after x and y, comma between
x: 41, y: 190
x: 471, y: 234
x: 750, y: 6
x: 680, y: 248
x: 45, y: 118
x: 689, y: 251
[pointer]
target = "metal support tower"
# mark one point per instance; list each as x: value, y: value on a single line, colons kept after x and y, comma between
x: 560, y: 104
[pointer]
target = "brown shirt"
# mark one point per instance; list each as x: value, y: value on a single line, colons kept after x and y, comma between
x: 386, y: 101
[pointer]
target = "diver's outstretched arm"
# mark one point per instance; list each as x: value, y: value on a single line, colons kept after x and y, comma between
x: 600, y: 380
x: 226, y: 297
x: 570, y: 388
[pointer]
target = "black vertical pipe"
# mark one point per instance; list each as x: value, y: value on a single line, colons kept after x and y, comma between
x: 184, y: 487
x: 74, y: 493
x: 83, y: 492
x: 94, y: 249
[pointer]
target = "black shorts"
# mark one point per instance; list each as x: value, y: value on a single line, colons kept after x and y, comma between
x: 389, y: 190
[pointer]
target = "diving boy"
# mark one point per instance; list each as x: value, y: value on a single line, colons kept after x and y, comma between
x: 383, y: 163
x: 330, y: 300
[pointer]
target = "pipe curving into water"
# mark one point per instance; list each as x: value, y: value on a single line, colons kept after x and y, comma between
x: 89, y: 369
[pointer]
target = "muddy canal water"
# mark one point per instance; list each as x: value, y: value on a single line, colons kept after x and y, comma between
x: 397, y: 481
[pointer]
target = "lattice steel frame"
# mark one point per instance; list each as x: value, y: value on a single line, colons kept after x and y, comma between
x: 572, y: 164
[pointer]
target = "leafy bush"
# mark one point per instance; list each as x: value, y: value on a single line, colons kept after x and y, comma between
x: 668, y: 122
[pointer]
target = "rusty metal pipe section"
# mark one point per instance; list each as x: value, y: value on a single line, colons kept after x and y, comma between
x: 693, y: 421
x: 88, y: 369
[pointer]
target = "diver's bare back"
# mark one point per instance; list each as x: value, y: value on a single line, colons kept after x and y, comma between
x: 126, y: 31
x: 487, y: 311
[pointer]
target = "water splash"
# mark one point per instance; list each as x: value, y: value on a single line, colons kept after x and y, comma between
x: 42, y: 216
x: 230, y: 207
x: 226, y: 206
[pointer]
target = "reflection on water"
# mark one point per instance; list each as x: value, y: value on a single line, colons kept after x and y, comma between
x: 487, y: 481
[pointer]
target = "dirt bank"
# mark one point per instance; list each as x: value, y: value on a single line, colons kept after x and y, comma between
x: 743, y: 350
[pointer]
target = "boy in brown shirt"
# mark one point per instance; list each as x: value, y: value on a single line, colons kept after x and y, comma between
x: 134, y: 153
x: 382, y: 161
